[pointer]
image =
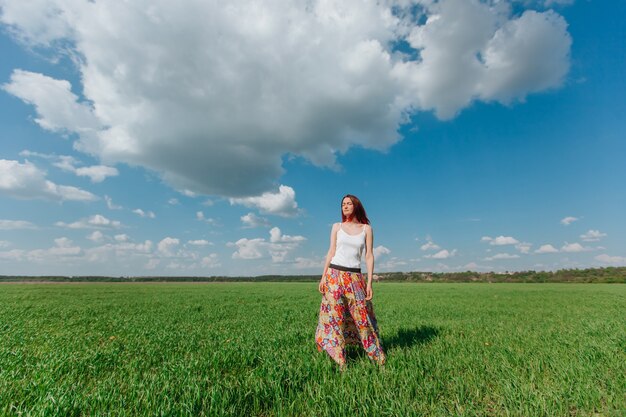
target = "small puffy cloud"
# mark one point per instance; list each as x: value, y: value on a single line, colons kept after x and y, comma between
x: 121, y: 238
x: 63, y: 248
x: 611, y: 260
x: 394, y: 263
x: 547, y: 248
x: 173, y: 202
x: 523, y: 247
x: 152, y: 263
x: 573, y: 247
x: 276, y: 236
x: 4, y: 243
x: 16, y: 224
x: 200, y: 216
x: 381, y: 250
x: 442, y: 254
x: 199, y: 242
x: 500, y: 240
x: 97, y: 221
x: 249, y: 248
x: 58, y: 109
x: 429, y: 245
x: 592, y: 236
x: 96, y: 173
x: 308, y: 263
x: 251, y: 220
x: 167, y: 245
x: 566, y: 221
x: 501, y: 256
x: 278, y: 247
x: 281, y: 203
x: 96, y: 236
x: 142, y: 213
x: 110, y: 204
x: 26, y: 181
x: 13, y: 255
x: 210, y: 261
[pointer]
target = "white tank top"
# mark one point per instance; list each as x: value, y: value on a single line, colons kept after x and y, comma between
x: 349, y: 249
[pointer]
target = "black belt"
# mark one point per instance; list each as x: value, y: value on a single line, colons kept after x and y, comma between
x: 344, y: 268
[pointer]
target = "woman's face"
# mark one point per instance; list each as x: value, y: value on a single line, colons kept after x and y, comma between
x: 347, y: 208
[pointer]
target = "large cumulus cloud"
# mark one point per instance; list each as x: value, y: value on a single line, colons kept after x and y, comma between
x: 213, y: 94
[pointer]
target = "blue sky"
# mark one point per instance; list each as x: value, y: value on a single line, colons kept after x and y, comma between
x: 193, y: 140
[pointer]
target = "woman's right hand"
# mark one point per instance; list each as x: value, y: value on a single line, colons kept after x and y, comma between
x: 322, y: 285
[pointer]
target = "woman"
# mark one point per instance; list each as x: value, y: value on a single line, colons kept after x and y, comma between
x: 346, y: 314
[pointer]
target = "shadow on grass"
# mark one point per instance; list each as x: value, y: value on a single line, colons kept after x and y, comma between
x: 407, y: 337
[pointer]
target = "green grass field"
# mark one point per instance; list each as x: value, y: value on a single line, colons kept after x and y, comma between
x: 248, y: 349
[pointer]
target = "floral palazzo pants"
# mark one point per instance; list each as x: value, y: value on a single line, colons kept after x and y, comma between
x: 346, y: 318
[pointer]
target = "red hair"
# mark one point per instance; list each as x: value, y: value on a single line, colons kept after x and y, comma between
x: 358, y: 212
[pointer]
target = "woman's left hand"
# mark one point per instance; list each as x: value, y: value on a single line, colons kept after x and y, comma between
x: 369, y: 292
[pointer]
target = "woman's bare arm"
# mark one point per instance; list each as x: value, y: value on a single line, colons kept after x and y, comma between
x: 369, y: 260
x: 329, y: 255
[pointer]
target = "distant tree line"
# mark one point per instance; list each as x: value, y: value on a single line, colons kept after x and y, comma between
x: 598, y: 275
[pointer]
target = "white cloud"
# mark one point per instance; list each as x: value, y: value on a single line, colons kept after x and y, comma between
x: 142, y: 213
x: 210, y: 261
x: 592, y: 236
x: 4, y: 243
x: 199, y: 242
x: 152, y: 263
x: 58, y: 109
x: 309, y: 263
x: 613, y: 260
x: 249, y: 248
x: 121, y: 238
x: 546, y: 249
x: 212, y: 95
x: 173, y: 201
x: 566, y: 221
x: 276, y: 236
x: 430, y: 245
x: 167, y: 245
x: 26, y: 181
x: 574, y: 247
x: 63, y: 248
x: 501, y: 256
x: 97, y: 221
x: 16, y: 224
x: 251, y: 220
x: 110, y: 204
x: 200, y: 216
x: 392, y: 264
x: 282, y: 203
x: 278, y: 247
x: 96, y: 236
x: 442, y: 254
x: 523, y: 247
x: 96, y: 173
x: 500, y: 240
x: 381, y: 250
x: 13, y: 255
